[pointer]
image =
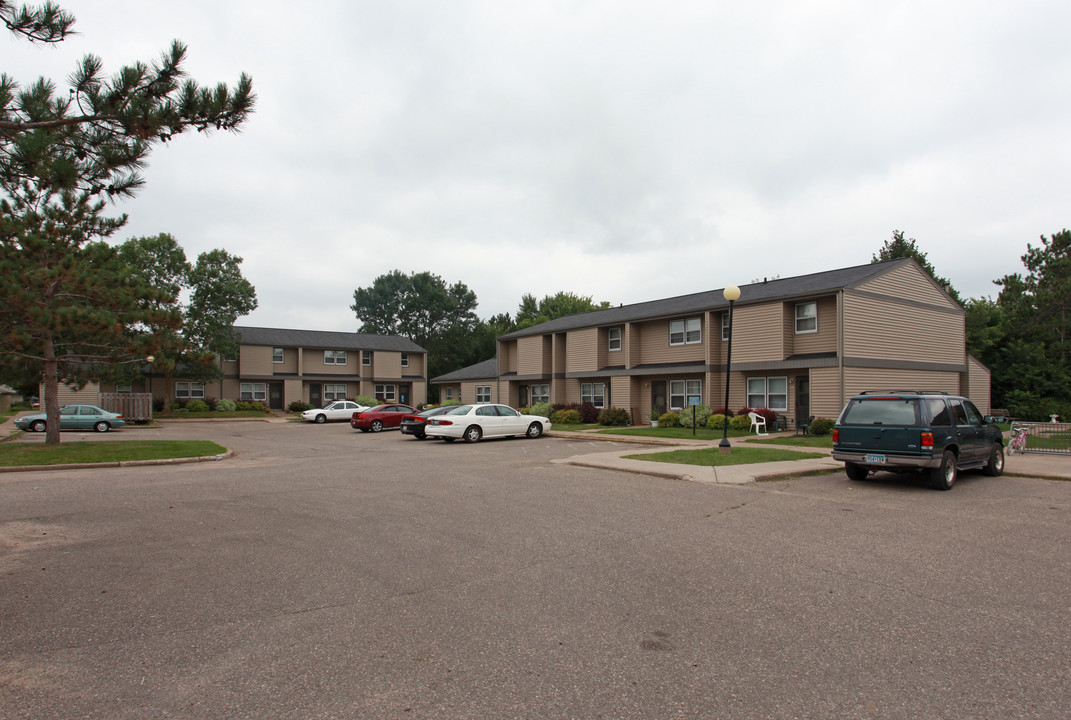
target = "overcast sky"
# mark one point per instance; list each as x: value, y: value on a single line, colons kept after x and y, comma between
x: 623, y: 150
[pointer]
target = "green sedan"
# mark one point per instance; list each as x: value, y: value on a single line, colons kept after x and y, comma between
x: 74, y: 417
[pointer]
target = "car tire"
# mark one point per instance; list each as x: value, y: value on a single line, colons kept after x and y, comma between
x: 856, y: 472
x: 376, y: 426
x: 473, y: 433
x: 995, y: 466
x: 419, y: 436
x: 534, y: 431
x: 38, y: 426
x: 943, y: 477
x: 321, y: 419
x: 101, y: 426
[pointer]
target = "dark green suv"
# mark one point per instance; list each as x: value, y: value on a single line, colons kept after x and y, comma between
x: 906, y: 430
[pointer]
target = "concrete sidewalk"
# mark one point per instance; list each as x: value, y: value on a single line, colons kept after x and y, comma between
x: 1036, y: 465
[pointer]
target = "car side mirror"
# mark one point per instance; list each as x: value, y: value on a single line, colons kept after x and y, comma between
x: 989, y: 420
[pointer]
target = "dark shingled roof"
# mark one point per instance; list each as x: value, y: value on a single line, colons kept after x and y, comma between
x: 479, y: 371
x: 780, y: 288
x: 280, y: 337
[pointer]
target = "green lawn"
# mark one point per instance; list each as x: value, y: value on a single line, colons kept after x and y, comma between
x: 676, y: 433
x: 713, y: 457
x: 210, y: 414
x: 820, y: 441
x: 100, y: 451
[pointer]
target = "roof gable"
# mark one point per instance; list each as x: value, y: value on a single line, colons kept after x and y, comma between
x: 319, y: 339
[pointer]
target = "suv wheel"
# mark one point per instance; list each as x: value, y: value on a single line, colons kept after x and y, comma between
x: 943, y: 477
x: 856, y: 472
x: 995, y: 466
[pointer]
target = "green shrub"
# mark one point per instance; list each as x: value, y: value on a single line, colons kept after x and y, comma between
x: 614, y: 416
x: 250, y: 406
x: 565, y: 417
x: 366, y: 400
x: 740, y: 422
x: 451, y: 401
x: 670, y: 419
x: 298, y: 406
x: 197, y: 406
x: 820, y: 426
x: 542, y: 408
x: 716, y: 421
x: 702, y: 414
x: 225, y: 405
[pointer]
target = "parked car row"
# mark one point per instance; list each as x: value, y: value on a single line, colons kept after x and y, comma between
x: 74, y: 417
x: 448, y: 422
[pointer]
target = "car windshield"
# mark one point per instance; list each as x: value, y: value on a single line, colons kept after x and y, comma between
x: 460, y: 410
x: 882, y: 411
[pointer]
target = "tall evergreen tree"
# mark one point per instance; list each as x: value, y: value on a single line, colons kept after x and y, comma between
x: 530, y: 312
x: 900, y: 247
x: 67, y: 305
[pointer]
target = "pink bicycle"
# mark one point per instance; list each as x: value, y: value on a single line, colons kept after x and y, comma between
x: 1017, y: 442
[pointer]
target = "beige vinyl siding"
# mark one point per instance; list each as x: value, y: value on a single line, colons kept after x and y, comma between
x: 67, y: 395
x: 416, y: 364
x: 633, y: 345
x: 758, y: 333
x: 386, y: 364
x: 572, y: 392
x: 910, y: 282
x: 312, y: 361
x: 826, y: 399
x: 289, y: 363
x: 255, y: 360
x: 655, y: 347
x: 468, y: 390
x: 583, y: 355
x: 825, y: 340
x: 856, y: 380
x: 559, y: 345
x: 619, y: 391
x: 885, y: 329
x: 507, y: 356
x: 530, y: 355
x: 977, y: 385
x: 419, y: 393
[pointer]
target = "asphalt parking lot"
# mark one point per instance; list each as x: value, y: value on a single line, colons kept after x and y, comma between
x: 326, y: 573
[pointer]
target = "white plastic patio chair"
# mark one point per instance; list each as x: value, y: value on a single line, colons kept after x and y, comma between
x: 758, y: 423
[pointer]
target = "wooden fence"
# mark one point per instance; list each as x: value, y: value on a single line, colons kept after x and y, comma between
x: 135, y: 407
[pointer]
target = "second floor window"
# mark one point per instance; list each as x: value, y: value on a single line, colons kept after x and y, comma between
x: 613, y: 338
x: 366, y: 357
x: 276, y: 355
x: 405, y: 359
x: 334, y: 357
x: 725, y: 327
x: 686, y: 332
x: 806, y: 317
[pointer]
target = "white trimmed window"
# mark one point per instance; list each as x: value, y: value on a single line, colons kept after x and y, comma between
x: 189, y: 390
x: 686, y: 332
x: 386, y: 393
x: 483, y: 393
x: 683, y: 393
x: 277, y: 355
x: 539, y: 393
x: 806, y: 318
x: 449, y: 393
x: 124, y: 389
x: 257, y: 392
x: 768, y: 392
x: 594, y: 393
x: 613, y: 339
x: 725, y: 327
x: 336, y: 391
x: 366, y: 357
x: 335, y: 357
x: 405, y: 359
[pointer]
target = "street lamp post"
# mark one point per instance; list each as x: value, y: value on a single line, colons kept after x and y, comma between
x: 732, y: 294
x: 149, y: 359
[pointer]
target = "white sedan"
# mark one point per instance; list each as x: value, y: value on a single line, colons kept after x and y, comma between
x: 473, y: 422
x: 338, y: 410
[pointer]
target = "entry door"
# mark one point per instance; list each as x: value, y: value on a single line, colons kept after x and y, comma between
x: 658, y: 396
x: 275, y: 396
x: 803, y: 398
x: 316, y: 398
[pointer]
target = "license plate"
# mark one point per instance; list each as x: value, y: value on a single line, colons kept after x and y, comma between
x: 874, y: 459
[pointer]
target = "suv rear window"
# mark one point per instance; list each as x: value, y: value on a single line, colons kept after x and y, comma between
x: 882, y: 411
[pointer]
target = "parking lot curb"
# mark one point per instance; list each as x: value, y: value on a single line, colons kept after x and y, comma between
x: 120, y: 463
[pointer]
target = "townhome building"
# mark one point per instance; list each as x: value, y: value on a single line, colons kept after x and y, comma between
x: 277, y: 366
x: 473, y: 384
x: 801, y: 347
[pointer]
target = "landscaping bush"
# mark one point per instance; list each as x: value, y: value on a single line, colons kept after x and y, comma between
x: 366, y: 400
x: 743, y: 411
x: 770, y: 415
x: 542, y: 408
x: 820, y: 426
x: 716, y: 421
x: 250, y: 406
x: 225, y: 405
x: 212, y: 403
x: 670, y: 419
x: 197, y: 406
x: 740, y: 422
x: 588, y: 412
x: 614, y: 416
x: 722, y: 411
x: 298, y: 406
x: 565, y: 417
x: 702, y: 414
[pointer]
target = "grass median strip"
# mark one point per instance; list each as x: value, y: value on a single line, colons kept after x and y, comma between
x: 712, y: 456
x: 104, y: 451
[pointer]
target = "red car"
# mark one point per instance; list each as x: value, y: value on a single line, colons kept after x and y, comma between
x: 376, y: 418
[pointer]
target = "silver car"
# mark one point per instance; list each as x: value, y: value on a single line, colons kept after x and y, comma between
x: 74, y: 417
